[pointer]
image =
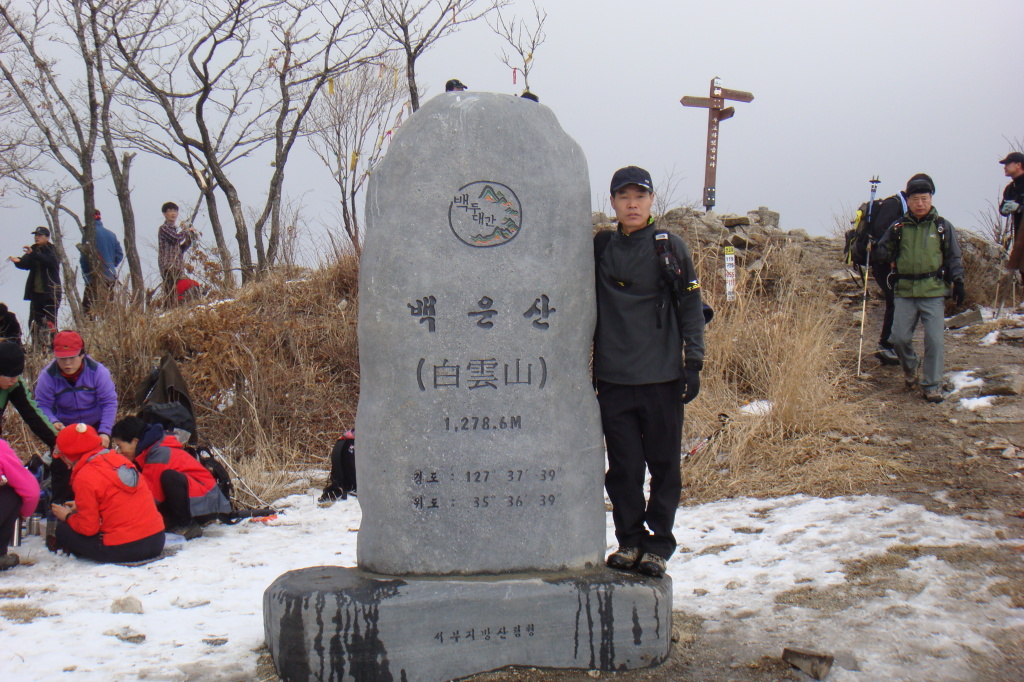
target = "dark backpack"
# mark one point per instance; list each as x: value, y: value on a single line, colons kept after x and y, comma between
x: 217, y: 470
x: 869, y: 226
x: 342, y: 481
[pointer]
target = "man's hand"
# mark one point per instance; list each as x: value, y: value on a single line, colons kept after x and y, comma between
x: 959, y: 293
x: 691, y: 372
x: 62, y: 511
x: 105, y: 439
x: 1009, y: 207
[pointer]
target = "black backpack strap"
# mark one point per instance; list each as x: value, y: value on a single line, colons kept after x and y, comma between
x: 601, y: 240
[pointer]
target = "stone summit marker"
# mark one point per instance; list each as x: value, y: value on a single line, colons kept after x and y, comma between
x: 480, y: 460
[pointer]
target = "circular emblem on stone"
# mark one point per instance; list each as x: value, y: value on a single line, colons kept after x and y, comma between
x: 485, y: 213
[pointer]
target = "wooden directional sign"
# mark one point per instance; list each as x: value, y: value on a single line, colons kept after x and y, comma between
x: 717, y: 112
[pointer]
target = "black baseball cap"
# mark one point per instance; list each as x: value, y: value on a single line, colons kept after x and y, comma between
x: 920, y: 184
x: 41, y: 230
x: 1013, y: 157
x: 631, y: 175
x: 454, y: 84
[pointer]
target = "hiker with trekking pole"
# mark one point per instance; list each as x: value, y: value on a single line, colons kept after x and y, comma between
x: 1012, y: 208
x: 925, y: 263
x: 870, y: 223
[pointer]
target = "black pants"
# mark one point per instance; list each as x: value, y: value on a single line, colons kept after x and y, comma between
x: 643, y: 429
x: 10, y: 514
x: 92, y: 547
x: 175, y: 508
x: 60, y: 482
x: 42, y: 318
x: 881, y: 274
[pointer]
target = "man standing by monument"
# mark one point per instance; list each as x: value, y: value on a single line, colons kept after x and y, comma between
x: 649, y: 318
x: 1013, y: 207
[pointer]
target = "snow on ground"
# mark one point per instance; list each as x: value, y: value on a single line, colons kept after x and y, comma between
x: 740, y: 566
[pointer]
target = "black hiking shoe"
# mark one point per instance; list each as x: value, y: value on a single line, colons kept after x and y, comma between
x: 189, y: 532
x: 933, y: 395
x: 652, y: 565
x: 887, y: 356
x: 9, y: 561
x: 624, y: 558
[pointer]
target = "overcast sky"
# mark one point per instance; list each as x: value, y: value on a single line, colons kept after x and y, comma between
x: 843, y: 91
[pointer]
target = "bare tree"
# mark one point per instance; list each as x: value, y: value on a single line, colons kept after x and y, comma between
x: 221, y: 78
x: 68, y: 101
x: 523, y: 37
x: 316, y: 43
x: 413, y: 26
x: 350, y: 127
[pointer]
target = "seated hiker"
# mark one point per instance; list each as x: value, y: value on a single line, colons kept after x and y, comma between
x: 19, y: 496
x: 342, y: 481
x: 75, y: 389
x: 184, y: 490
x: 113, y: 518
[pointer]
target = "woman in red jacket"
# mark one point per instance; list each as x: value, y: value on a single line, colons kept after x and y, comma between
x: 184, y: 490
x: 113, y: 518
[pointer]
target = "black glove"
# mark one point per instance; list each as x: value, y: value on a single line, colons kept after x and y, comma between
x: 959, y: 294
x: 691, y: 373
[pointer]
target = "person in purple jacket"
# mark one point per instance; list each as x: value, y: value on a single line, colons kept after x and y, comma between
x: 19, y: 497
x: 75, y: 389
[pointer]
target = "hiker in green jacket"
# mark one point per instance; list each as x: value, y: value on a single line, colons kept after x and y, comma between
x: 924, y: 257
x: 13, y: 390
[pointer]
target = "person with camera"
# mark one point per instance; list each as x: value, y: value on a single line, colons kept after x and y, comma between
x: 924, y: 258
x: 648, y: 354
x: 172, y: 245
x: 113, y: 518
x: 42, y: 289
x: 1012, y: 207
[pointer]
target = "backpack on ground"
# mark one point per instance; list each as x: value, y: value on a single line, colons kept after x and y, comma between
x: 869, y: 224
x: 342, y: 480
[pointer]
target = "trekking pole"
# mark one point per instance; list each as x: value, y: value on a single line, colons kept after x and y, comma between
x: 867, y: 265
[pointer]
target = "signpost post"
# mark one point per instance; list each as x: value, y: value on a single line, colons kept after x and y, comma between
x: 717, y: 111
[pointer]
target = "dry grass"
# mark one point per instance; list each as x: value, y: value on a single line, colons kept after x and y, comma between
x: 779, y: 342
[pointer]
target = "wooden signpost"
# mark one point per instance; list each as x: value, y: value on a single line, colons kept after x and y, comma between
x: 717, y: 111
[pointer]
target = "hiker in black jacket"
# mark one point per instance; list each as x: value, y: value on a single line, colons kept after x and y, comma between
x: 1013, y: 206
x: 42, y: 289
x: 644, y: 330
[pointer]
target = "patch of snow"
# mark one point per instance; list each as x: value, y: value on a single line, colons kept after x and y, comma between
x: 978, y: 403
x: 961, y: 380
x: 990, y: 339
x: 758, y: 408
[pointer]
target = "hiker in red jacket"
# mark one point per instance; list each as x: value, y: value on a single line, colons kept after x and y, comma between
x: 184, y: 490
x: 113, y: 518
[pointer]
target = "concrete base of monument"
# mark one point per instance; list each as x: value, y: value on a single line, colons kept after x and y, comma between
x: 329, y: 622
